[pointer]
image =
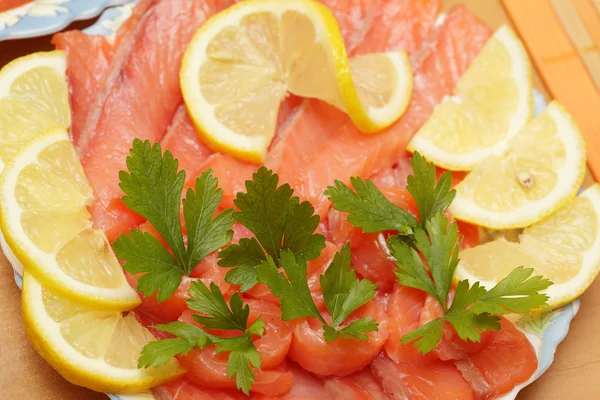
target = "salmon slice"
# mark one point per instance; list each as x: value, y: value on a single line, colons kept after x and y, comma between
x: 451, y: 347
x: 361, y: 385
x: 140, y: 102
x: 351, y: 153
x: 437, y: 381
x: 299, y: 119
x: 399, y: 24
x: 342, y: 356
x: 171, y: 309
x: 183, y: 142
x: 150, y: 324
x: 183, y: 389
x: 274, y: 345
x: 315, y: 125
x: 404, y: 314
x: 302, y: 136
x: 315, y: 268
x: 506, y: 360
x: 370, y: 253
x: 208, y: 368
x: 353, y: 17
x: 305, y: 386
x: 231, y: 173
x: 89, y: 58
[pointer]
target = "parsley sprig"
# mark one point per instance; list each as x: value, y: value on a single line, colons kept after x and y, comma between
x: 343, y: 293
x: 368, y: 208
x: 285, y: 239
x: 474, y: 308
x: 153, y: 187
x: 279, y: 222
x: 243, y: 355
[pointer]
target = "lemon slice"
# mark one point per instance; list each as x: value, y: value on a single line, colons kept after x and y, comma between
x: 33, y: 98
x: 242, y: 63
x: 543, y: 169
x: 43, y: 199
x: 91, y: 348
x: 564, y: 248
x: 492, y: 102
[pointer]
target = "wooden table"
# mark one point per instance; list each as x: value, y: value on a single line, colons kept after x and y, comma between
x: 25, y: 376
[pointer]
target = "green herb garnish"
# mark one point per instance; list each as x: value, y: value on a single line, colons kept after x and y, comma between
x: 243, y: 356
x: 368, y: 208
x: 279, y: 223
x: 431, y: 197
x: 153, y: 188
x: 473, y: 308
x: 343, y: 293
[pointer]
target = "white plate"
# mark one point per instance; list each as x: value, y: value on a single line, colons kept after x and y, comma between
x: 43, y: 17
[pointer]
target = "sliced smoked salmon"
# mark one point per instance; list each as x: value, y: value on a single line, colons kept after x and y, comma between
x: 437, y: 381
x: 208, y: 368
x: 89, y: 59
x: 183, y: 389
x: 506, y: 360
x: 305, y: 386
x: 152, y: 66
x: 370, y: 254
x: 183, y: 142
x: 361, y: 385
x: 342, y: 356
x: 404, y: 314
x: 350, y: 153
x: 231, y: 173
x: 399, y: 24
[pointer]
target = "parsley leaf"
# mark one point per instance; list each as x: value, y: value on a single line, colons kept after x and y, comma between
x: 472, y: 307
x: 517, y: 293
x: 244, y: 256
x: 368, y: 208
x: 242, y: 357
x: 426, y: 337
x: 431, y: 198
x: 217, y: 314
x: 211, y: 302
x: 299, y: 236
x: 342, y: 291
x: 296, y: 301
x: 205, y: 234
x: 355, y: 330
x: 144, y: 253
x: 159, y: 352
x: 153, y: 189
x: 278, y: 221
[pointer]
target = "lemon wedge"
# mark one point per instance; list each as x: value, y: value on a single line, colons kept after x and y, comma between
x: 242, y: 63
x: 543, y: 170
x: 91, y: 348
x: 565, y: 248
x: 492, y: 102
x: 33, y: 98
x: 43, y: 199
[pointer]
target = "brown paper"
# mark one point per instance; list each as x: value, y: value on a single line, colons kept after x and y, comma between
x: 25, y: 376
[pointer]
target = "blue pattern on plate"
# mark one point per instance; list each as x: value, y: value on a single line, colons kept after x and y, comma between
x: 548, y: 329
x: 43, y: 17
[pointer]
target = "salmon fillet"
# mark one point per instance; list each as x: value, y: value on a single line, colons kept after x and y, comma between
x: 140, y: 103
x: 349, y: 152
